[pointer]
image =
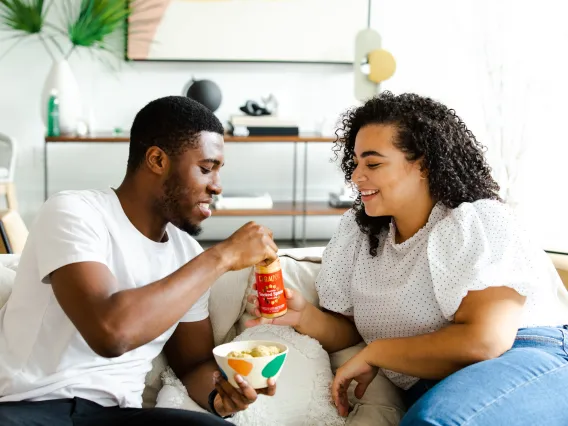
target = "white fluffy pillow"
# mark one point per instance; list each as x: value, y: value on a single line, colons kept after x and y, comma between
x: 302, y: 393
x: 10, y: 261
x: 174, y: 394
x: 153, y: 381
x: 303, y: 389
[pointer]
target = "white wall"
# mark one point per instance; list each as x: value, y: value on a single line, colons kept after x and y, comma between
x: 434, y: 43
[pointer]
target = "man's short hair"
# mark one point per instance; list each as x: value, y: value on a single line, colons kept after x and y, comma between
x: 172, y: 123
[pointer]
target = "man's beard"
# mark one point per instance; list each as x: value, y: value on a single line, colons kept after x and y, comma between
x: 170, y: 207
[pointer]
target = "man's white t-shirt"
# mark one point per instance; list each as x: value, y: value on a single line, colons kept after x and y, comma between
x: 42, y: 355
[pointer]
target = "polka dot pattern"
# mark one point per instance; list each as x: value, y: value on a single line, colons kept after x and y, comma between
x: 416, y: 287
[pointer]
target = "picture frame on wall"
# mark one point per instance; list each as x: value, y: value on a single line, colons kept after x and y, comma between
x: 301, y: 31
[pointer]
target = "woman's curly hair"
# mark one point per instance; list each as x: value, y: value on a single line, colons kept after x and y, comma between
x: 428, y: 131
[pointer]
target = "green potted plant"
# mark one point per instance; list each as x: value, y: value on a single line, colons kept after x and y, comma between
x: 65, y: 27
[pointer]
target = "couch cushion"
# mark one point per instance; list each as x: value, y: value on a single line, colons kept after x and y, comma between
x: 7, y: 277
x: 227, y: 303
x: 561, y: 264
x: 382, y: 403
x: 14, y: 229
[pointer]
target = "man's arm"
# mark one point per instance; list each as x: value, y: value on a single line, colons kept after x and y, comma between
x: 114, y: 322
x: 190, y: 355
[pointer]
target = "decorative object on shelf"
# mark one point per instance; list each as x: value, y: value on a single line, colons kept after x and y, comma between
x: 307, y: 31
x: 271, y: 104
x: 206, y: 92
x: 61, y: 80
x: 86, y: 24
x: 343, y: 199
x: 372, y: 64
x: 254, y: 109
x: 242, y: 201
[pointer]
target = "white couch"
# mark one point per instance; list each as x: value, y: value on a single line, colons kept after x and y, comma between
x: 303, y: 387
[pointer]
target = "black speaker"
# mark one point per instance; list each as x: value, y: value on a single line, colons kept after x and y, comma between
x: 205, y: 92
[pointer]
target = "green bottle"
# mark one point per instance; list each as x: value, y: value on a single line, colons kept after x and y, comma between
x: 53, y: 114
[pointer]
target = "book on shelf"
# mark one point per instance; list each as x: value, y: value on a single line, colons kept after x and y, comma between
x: 264, y: 131
x: 261, y: 121
x: 243, y: 201
x: 264, y: 125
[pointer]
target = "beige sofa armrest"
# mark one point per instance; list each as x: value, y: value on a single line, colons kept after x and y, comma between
x: 13, y: 232
x: 560, y: 262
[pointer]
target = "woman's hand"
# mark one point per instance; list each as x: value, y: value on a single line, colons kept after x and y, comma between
x: 358, y: 369
x: 230, y: 400
x: 296, y: 307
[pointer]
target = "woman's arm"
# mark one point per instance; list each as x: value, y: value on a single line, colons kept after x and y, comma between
x: 485, y: 326
x: 333, y: 331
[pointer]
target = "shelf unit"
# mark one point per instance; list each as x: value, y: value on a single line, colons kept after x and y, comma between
x: 296, y: 208
x: 285, y: 209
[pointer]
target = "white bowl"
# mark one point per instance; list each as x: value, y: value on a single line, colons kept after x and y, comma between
x: 256, y: 371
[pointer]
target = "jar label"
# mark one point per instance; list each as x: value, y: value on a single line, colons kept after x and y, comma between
x: 271, y: 297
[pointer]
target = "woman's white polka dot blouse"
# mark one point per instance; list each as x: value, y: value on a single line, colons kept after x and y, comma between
x: 416, y: 287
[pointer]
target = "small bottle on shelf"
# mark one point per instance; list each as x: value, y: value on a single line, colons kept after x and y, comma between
x: 53, y: 114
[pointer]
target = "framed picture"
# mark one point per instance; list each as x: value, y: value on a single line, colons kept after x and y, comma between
x: 309, y: 31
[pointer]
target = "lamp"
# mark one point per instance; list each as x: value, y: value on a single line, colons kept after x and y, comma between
x: 372, y: 64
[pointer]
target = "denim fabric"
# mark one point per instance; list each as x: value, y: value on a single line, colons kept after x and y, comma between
x: 527, y: 385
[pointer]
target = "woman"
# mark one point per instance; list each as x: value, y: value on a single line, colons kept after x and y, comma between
x: 456, y: 306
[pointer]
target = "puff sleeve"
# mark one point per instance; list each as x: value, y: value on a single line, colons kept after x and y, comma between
x: 333, y: 283
x: 478, y: 245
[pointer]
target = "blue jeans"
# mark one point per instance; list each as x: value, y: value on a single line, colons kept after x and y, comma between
x: 527, y: 385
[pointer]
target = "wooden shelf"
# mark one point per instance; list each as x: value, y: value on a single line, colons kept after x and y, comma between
x: 101, y: 137
x: 285, y: 209
x: 111, y: 138
x: 281, y: 243
x: 289, y: 209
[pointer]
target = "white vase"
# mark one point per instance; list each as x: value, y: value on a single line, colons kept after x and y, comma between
x: 61, y: 78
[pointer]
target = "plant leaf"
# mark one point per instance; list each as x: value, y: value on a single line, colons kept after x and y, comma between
x: 23, y: 16
x: 96, y: 20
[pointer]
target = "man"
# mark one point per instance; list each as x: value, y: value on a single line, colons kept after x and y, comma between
x: 109, y: 278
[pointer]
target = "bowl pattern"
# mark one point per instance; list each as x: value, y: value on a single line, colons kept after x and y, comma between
x: 256, y: 370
